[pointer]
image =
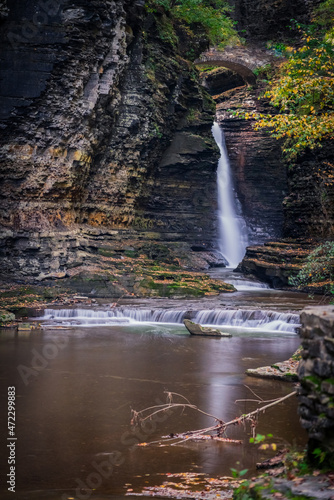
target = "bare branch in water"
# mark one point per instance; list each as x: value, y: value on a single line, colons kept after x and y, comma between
x: 219, y: 428
x: 259, y: 400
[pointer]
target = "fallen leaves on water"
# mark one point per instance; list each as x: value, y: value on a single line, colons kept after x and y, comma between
x: 190, y: 485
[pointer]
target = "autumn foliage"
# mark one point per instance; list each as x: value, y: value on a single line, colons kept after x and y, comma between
x: 303, y: 91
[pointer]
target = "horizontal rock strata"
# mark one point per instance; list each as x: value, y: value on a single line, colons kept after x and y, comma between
x: 104, y: 126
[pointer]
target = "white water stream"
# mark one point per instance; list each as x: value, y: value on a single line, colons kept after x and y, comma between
x: 232, y: 230
x: 245, y: 319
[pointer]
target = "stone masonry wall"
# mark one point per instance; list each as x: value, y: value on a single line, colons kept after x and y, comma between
x: 316, y: 374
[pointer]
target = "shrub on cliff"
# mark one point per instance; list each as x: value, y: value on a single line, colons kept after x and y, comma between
x: 208, y: 16
x: 318, y: 269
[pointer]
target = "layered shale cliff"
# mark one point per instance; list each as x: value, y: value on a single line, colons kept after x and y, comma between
x: 106, y: 138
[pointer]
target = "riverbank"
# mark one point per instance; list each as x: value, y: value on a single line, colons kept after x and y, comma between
x: 283, y: 370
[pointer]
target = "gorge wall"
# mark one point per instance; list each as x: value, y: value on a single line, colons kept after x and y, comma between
x: 106, y: 144
x: 259, y: 175
x: 268, y: 20
x: 106, y: 135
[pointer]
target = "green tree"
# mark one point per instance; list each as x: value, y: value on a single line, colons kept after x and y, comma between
x: 303, y: 88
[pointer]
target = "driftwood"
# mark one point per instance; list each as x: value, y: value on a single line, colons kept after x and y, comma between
x: 196, y: 329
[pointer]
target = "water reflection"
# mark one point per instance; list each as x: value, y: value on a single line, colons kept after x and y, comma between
x: 74, y: 409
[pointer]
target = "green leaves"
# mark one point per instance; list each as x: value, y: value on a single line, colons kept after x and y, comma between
x: 320, y: 455
x: 303, y: 90
x: 259, y: 438
x: 236, y: 473
x: 211, y: 15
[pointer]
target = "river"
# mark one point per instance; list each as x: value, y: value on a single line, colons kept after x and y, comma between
x: 75, y: 388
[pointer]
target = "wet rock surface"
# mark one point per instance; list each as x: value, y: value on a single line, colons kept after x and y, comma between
x: 276, y: 261
x: 283, y: 370
x: 312, y: 487
x: 309, y: 206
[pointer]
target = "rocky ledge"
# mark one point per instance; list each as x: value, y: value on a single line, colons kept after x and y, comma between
x: 284, y: 370
x: 276, y: 261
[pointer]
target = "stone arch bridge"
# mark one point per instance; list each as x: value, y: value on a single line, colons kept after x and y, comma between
x: 241, y: 60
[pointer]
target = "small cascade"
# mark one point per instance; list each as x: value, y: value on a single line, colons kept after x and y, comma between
x: 233, y: 235
x: 241, y: 282
x: 241, y: 318
x: 248, y: 286
x: 257, y: 319
x: 115, y: 315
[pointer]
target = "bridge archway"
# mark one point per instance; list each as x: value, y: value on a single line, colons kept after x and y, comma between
x: 241, y: 60
x: 242, y: 70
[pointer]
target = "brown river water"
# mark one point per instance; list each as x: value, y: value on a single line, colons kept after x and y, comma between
x: 75, y: 388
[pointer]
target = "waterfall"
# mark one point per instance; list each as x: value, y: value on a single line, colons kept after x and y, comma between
x: 254, y: 319
x: 232, y: 230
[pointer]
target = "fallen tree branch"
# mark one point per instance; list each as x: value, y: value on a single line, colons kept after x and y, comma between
x: 219, y: 428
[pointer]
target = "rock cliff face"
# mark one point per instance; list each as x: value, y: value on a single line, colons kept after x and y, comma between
x: 270, y: 19
x: 309, y: 206
x: 105, y: 136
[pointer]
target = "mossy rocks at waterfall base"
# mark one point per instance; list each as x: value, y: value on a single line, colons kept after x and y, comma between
x: 19, y: 300
x: 281, y: 263
x: 146, y: 283
x: 179, y: 284
x: 146, y: 270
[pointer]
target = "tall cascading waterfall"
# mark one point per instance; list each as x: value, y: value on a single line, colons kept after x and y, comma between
x: 232, y: 229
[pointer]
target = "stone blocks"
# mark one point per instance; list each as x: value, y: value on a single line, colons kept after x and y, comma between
x: 316, y: 375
